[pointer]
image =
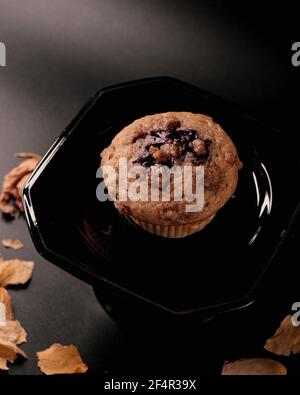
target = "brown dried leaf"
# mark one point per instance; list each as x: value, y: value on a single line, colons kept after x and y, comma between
x: 3, y: 364
x: 20, y: 187
x: 14, y: 181
x: 27, y: 155
x: 14, y: 244
x: 16, y: 174
x: 11, y: 334
x: 14, y: 332
x: 6, y: 300
x: 5, y: 206
x: 254, y: 367
x: 9, y: 350
x: 286, y: 340
x: 59, y: 359
x: 15, y: 271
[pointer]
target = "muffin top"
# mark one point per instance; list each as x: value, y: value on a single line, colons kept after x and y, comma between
x: 176, y: 139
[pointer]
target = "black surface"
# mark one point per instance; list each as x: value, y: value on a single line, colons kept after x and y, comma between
x: 61, y: 52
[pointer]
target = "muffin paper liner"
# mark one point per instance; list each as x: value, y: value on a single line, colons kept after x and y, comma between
x: 173, y: 231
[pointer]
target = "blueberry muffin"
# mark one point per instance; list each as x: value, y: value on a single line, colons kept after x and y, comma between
x: 175, y: 140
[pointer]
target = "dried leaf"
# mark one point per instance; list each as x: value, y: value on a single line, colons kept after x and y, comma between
x: 286, y: 340
x: 16, y: 174
x: 3, y: 364
x: 14, y: 244
x: 14, y: 182
x: 11, y: 334
x: 27, y: 155
x: 254, y: 367
x: 6, y: 207
x: 15, y: 271
x: 6, y: 300
x: 9, y: 350
x: 59, y: 359
x: 14, y: 332
x: 19, y: 189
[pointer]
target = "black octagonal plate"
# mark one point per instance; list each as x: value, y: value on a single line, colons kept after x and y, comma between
x: 214, y: 270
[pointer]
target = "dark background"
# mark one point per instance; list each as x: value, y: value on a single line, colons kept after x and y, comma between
x: 60, y: 52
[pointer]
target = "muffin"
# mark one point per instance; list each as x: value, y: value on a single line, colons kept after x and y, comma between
x: 174, y: 140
